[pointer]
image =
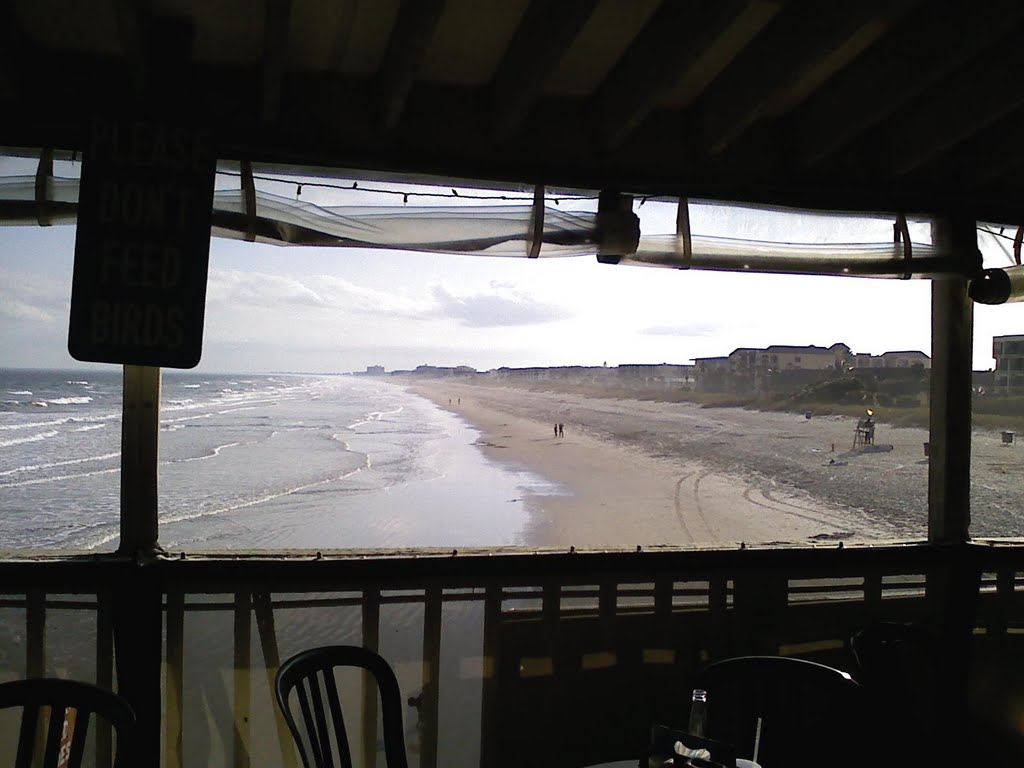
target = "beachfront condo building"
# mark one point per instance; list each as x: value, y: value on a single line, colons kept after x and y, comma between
x: 1008, y: 352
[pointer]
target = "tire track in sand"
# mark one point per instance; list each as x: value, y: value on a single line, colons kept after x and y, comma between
x: 778, y: 505
x: 698, y: 507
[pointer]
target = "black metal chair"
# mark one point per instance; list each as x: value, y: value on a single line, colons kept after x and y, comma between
x: 810, y: 714
x: 310, y: 675
x: 896, y: 665
x: 62, y: 748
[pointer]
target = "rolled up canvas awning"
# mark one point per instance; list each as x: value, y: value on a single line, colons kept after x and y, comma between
x: 507, y: 230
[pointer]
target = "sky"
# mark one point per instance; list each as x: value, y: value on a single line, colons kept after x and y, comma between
x: 271, y: 308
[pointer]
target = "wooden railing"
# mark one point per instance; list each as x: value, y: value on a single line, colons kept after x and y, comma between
x: 485, y: 645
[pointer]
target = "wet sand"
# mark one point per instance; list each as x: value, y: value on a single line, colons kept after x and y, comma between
x: 650, y: 474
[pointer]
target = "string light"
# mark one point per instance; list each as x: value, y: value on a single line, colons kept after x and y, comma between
x: 406, y: 195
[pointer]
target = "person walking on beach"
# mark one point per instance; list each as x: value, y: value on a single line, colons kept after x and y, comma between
x: 556, y: 430
x: 561, y: 430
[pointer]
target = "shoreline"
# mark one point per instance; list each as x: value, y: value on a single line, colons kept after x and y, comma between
x: 626, y: 486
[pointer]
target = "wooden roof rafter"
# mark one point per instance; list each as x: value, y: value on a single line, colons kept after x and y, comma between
x: 277, y: 19
x: 940, y: 39
x: 410, y: 38
x: 795, y: 102
x: 710, y: 36
x: 538, y: 46
x: 805, y: 46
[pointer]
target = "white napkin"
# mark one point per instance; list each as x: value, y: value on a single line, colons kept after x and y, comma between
x: 685, y: 751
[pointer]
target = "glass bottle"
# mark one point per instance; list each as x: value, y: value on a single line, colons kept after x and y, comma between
x: 698, y: 713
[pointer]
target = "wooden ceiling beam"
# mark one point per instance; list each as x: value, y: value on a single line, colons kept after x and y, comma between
x: 976, y: 97
x: 804, y: 47
x: 410, y: 37
x: 678, y: 39
x: 544, y: 35
x: 276, y: 29
x: 923, y: 50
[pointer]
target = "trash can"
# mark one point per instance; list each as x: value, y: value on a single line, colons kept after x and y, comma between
x: 1007, y: 437
x: 927, y: 449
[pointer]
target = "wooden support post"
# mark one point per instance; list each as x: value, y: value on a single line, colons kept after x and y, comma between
x: 140, y: 432
x: 138, y: 653
x: 952, y: 590
x: 949, y: 463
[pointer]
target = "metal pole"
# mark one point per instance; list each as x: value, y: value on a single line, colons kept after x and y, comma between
x: 140, y: 431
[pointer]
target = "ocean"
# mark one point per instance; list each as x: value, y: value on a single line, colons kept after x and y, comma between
x: 253, y: 462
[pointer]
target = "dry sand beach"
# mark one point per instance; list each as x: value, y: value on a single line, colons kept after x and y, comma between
x: 651, y: 473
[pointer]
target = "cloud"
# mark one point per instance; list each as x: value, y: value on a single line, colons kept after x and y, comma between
x: 686, y: 330
x: 259, y: 289
x: 34, y: 298
x: 494, y: 310
x: 231, y: 288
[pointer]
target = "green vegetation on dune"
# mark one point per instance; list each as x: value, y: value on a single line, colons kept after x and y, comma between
x: 900, y: 403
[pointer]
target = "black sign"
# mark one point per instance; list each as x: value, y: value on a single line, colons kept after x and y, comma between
x: 142, y: 247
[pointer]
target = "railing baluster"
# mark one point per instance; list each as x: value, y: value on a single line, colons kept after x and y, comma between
x: 35, y: 633
x: 489, y: 704
x: 607, y: 607
x: 872, y: 597
x: 371, y: 640
x: 175, y: 683
x: 717, y: 645
x: 242, y: 686
x: 104, y: 674
x: 264, y: 612
x: 430, y: 696
x: 35, y: 650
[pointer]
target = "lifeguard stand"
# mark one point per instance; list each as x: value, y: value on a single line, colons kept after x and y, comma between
x: 864, y: 434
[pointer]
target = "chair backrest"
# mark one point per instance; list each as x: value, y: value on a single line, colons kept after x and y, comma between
x: 63, y: 747
x: 896, y: 665
x: 810, y: 714
x: 310, y: 675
